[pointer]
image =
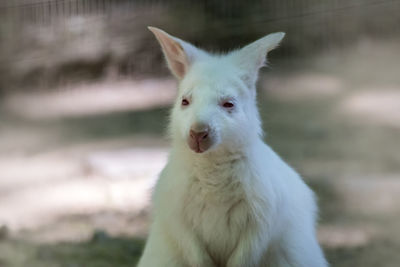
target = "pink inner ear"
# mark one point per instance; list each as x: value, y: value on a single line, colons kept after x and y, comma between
x: 179, y: 68
x: 174, y: 53
x: 177, y: 59
x: 176, y: 49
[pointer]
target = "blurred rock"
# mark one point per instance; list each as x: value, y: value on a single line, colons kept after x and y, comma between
x: 3, y: 232
x: 133, y: 163
x: 99, y: 236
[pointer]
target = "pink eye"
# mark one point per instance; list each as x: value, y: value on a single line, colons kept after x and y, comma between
x: 228, y: 104
x: 185, y: 102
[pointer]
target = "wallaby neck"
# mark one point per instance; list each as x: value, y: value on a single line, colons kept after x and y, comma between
x: 217, y: 169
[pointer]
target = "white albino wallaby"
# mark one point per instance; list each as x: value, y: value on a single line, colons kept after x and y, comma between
x: 225, y: 198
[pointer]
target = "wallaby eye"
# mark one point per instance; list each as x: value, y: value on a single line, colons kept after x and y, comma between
x: 185, y: 102
x: 228, y: 104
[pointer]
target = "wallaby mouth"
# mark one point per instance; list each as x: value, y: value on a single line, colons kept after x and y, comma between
x: 198, y: 150
x: 199, y: 146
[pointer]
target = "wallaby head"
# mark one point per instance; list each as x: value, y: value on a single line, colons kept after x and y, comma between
x: 216, y: 104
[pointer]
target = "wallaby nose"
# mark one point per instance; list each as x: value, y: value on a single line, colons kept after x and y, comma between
x: 199, y: 137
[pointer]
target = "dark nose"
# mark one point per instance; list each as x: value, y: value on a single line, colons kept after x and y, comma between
x: 199, y: 137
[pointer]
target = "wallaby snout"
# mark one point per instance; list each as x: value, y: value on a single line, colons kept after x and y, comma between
x: 199, y: 138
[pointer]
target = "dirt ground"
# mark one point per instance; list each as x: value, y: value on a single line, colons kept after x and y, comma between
x: 77, y: 164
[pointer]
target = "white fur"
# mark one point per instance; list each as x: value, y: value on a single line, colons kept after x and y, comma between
x: 237, y: 204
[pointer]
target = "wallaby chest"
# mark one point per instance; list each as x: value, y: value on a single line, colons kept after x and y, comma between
x: 217, y: 208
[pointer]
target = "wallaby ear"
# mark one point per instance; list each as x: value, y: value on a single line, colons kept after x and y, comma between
x: 179, y: 54
x: 253, y: 56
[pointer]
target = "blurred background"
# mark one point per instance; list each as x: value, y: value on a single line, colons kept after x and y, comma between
x: 84, y: 98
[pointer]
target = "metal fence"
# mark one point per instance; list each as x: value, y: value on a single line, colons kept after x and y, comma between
x: 312, y: 25
x: 380, y: 16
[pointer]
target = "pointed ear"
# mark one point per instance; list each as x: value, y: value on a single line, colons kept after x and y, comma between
x: 253, y: 56
x: 180, y: 55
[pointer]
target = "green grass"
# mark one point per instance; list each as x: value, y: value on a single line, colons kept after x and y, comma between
x: 101, y: 251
